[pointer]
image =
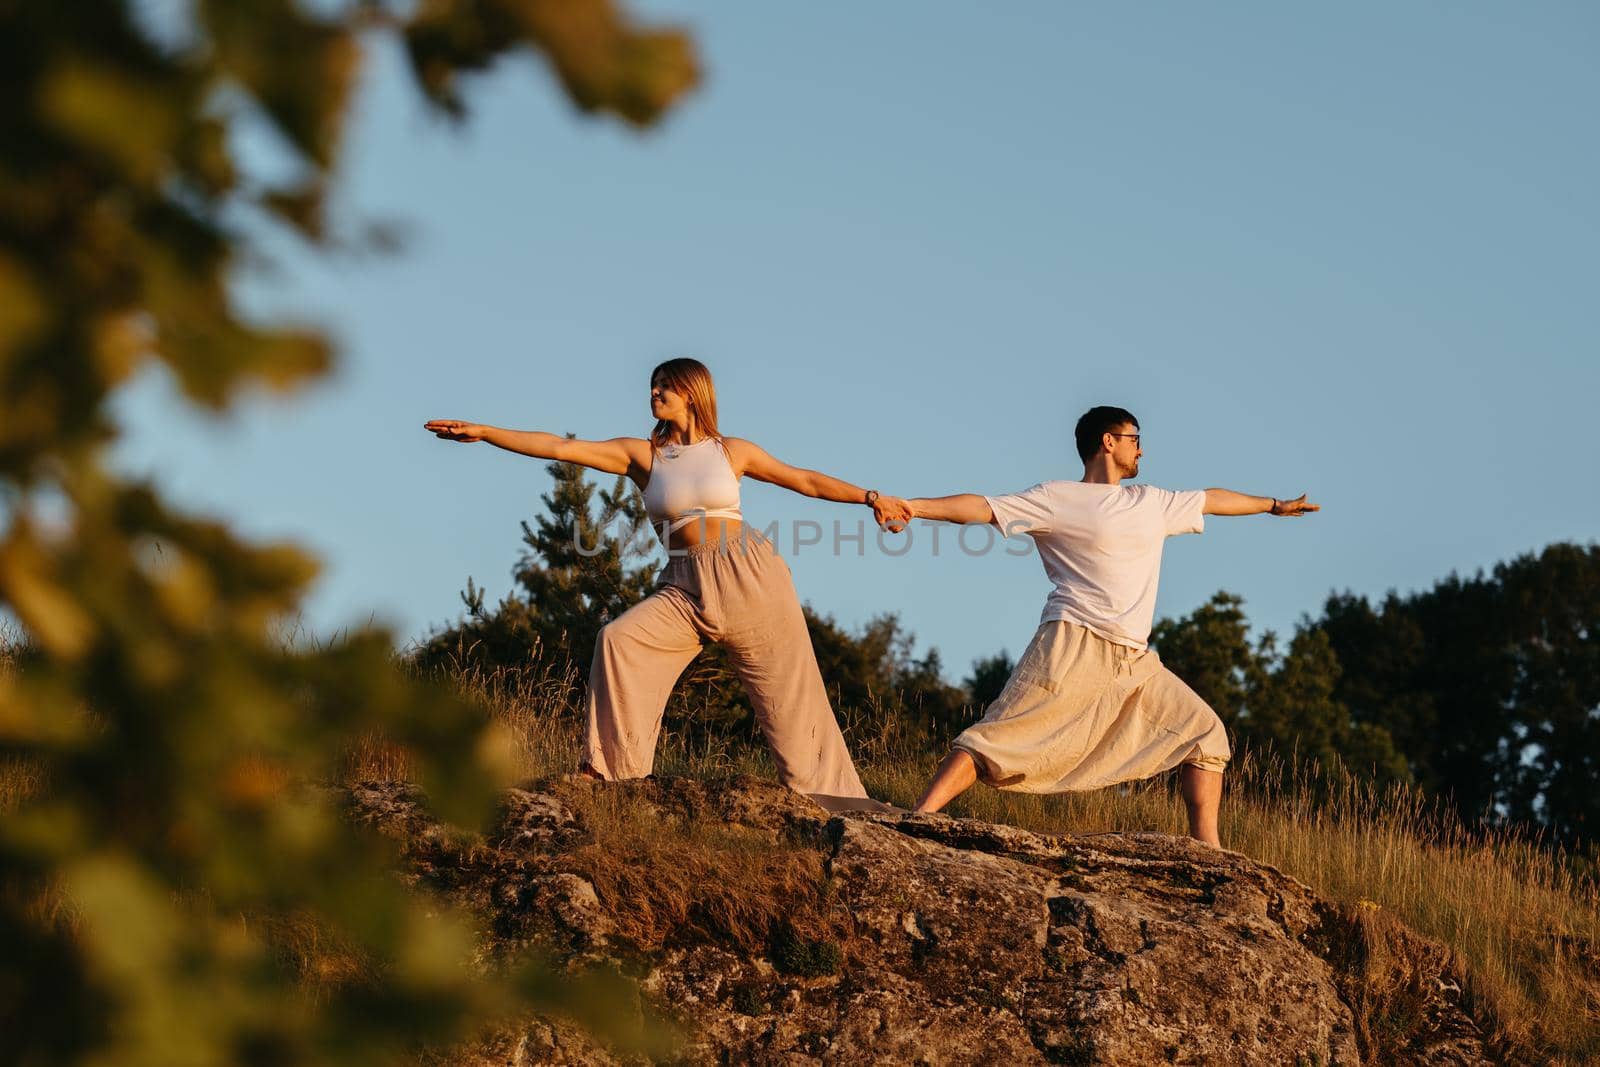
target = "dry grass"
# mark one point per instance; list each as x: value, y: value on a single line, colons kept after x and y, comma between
x: 536, y: 708
x: 322, y: 961
x: 1511, y: 908
x: 665, y: 876
x: 1527, y: 929
x: 540, y: 710
x: 21, y: 779
x: 689, y: 873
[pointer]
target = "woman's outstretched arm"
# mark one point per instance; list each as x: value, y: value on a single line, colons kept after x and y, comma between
x: 619, y: 455
x: 750, y: 458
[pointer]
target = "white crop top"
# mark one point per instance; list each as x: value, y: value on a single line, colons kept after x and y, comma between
x: 689, y: 483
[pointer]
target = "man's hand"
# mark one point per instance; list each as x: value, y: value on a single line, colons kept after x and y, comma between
x: 1228, y: 502
x: 892, y: 513
x: 455, y: 430
x: 1298, y: 506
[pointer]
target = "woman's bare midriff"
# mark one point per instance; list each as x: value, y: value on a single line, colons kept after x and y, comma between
x: 702, y: 531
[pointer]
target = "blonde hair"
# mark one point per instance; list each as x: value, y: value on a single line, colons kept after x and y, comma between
x: 691, y: 378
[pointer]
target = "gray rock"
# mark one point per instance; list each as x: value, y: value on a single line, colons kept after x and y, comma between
x: 535, y: 820
x: 955, y: 942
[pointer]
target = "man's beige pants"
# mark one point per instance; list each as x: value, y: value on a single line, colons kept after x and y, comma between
x: 1081, y: 712
x: 738, y: 593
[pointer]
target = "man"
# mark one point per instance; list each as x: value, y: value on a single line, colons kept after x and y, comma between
x: 1089, y: 703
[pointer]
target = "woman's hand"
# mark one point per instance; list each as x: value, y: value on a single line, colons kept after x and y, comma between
x: 456, y: 430
x: 892, y: 513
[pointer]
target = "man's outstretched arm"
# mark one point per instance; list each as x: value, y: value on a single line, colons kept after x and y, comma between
x: 1227, y: 502
x: 963, y: 507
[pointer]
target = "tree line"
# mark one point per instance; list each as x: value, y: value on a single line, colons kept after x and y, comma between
x: 1482, y: 691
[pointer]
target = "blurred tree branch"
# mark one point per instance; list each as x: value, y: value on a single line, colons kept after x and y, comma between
x: 180, y: 744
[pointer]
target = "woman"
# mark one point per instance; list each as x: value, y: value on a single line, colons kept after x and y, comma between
x: 722, y: 582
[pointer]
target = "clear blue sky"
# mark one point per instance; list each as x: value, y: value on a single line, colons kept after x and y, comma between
x: 1348, y: 249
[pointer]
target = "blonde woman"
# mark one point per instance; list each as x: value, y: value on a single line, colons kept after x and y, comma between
x: 723, y: 582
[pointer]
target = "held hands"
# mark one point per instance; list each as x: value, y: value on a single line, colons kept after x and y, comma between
x: 1297, y: 506
x: 892, y: 513
x: 455, y: 430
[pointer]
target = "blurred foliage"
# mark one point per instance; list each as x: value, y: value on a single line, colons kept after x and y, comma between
x: 182, y: 750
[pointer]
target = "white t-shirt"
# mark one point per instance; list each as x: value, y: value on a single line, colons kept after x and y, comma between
x: 1101, y: 546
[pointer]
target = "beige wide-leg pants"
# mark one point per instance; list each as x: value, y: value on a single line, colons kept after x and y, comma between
x: 1081, y: 712
x: 739, y: 593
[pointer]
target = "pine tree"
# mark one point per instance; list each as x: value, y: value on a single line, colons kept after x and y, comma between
x: 581, y: 569
x: 578, y: 570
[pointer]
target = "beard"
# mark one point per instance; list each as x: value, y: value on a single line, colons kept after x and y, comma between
x: 1131, y: 472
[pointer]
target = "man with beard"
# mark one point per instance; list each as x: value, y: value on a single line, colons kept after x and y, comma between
x: 1089, y: 703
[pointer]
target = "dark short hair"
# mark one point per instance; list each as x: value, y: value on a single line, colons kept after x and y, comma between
x: 1097, y: 422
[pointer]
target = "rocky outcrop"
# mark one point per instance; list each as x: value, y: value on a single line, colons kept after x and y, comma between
x: 769, y: 931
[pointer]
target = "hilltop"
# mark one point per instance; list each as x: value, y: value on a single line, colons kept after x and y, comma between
x: 768, y: 931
